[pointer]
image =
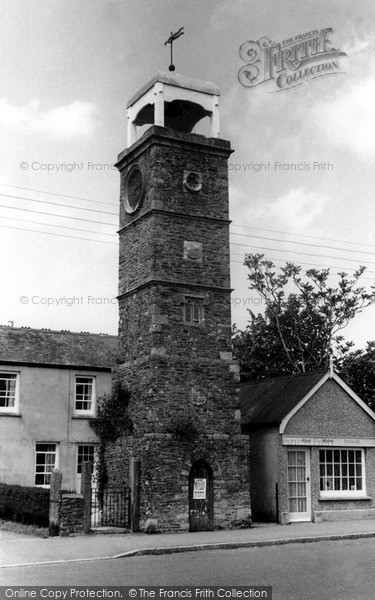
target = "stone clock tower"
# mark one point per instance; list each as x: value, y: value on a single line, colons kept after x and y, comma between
x: 175, y: 323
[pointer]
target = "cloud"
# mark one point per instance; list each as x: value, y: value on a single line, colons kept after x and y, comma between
x: 348, y: 121
x: 228, y: 10
x: 299, y: 208
x: 63, y: 122
x: 360, y: 61
x: 328, y: 113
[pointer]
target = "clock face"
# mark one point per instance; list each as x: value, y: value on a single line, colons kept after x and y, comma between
x: 134, y: 189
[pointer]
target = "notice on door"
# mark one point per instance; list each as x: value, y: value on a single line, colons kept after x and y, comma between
x: 199, y: 492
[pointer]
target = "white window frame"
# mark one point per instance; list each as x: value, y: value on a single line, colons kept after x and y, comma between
x: 343, y: 474
x: 85, y: 411
x: 299, y: 479
x: 11, y: 409
x: 79, y: 474
x: 45, y: 472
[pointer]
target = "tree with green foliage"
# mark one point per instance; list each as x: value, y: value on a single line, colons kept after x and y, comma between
x: 112, y: 421
x: 304, y: 316
x: 358, y: 370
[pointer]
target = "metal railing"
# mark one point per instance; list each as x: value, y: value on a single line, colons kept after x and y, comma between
x: 111, y: 508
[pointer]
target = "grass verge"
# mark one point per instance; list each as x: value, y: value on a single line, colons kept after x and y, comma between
x: 15, y: 527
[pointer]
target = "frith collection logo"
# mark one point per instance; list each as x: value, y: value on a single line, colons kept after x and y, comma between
x: 291, y: 62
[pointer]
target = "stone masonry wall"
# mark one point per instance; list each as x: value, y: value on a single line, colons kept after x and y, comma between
x: 165, y: 154
x: 155, y: 250
x: 71, y: 515
x: 179, y: 373
x: 165, y: 388
x: 152, y: 318
x: 165, y: 474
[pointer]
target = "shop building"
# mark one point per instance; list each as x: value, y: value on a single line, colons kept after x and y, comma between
x: 312, y: 449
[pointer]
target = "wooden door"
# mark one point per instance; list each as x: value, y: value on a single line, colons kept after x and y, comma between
x: 200, y: 497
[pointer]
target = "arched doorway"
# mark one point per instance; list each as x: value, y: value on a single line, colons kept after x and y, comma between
x: 200, y: 497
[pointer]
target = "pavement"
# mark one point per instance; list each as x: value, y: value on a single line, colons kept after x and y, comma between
x: 22, y: 550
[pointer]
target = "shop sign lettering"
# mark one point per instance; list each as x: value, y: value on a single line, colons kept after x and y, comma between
x: 291, y: 440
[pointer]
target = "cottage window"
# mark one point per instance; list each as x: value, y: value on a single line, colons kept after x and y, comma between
x: 85, y: 395
x: 193, y: 310
x: 45, y: 462
x: 342, y: 473
x: 8, y: 392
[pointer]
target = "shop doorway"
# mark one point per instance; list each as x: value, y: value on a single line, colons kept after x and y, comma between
x: 299, y: 497
x: 200, y: 497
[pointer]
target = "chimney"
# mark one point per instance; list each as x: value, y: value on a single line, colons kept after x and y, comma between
x: 10, y: 323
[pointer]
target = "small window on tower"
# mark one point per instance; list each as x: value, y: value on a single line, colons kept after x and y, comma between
x: 193, y: 310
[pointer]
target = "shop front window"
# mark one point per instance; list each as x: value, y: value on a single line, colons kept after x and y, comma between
x: 342, y: 473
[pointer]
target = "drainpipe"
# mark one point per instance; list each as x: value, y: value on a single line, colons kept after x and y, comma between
x: 277, y: 502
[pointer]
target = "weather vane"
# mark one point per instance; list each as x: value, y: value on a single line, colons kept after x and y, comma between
x: 170, y: 41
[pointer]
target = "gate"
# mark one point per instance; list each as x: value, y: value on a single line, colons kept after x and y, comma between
x: 111, y: 509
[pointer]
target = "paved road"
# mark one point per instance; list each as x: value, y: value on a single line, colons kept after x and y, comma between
x: 319, y: 571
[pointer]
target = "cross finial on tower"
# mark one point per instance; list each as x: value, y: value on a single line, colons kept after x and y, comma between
x: 331, y: 366
x: 170, y: 41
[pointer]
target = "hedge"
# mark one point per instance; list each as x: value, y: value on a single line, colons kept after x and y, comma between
x: 25, y: 504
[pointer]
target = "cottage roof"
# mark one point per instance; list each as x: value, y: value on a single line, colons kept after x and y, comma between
x: 23, y: 345
x: 271, y: 400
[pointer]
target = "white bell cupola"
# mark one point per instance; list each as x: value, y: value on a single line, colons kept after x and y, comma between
x: 174, y: 101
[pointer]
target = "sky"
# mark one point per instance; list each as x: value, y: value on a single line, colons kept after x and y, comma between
x: 67, y: 69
